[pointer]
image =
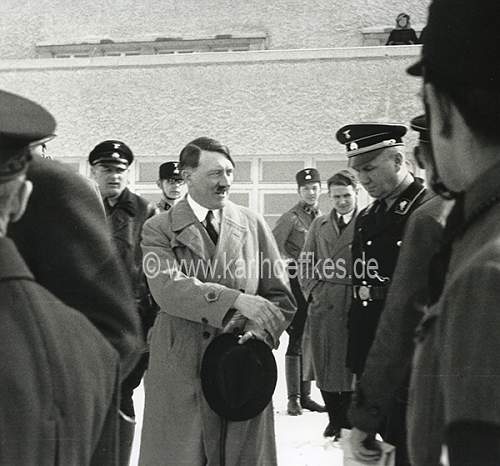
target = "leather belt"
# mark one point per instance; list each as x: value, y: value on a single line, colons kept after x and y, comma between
x: 370, y: 293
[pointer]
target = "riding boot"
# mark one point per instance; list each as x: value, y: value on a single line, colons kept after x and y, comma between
x: 305, y: 398
x: 292, y: 373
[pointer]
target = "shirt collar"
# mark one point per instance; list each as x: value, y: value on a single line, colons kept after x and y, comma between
x: 201, y: 212
x: 347, y: 217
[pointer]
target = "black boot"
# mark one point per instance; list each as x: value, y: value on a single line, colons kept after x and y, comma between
x: 331, y: 429
x: 292, y: 373
x: 306, y: 401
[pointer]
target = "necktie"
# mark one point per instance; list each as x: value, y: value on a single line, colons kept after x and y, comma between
x: 440, y: 261
x: 341, y: 223
x: 210, y: 226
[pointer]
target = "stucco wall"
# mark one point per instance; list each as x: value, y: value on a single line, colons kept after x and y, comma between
x: 290, y: 24
x: 258, y: 105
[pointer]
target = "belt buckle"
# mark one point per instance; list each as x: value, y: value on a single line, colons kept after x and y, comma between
x: 364, y: 293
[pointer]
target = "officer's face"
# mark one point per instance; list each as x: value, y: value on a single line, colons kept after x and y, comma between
x: 171, y: 188
x: 309, y: 193
x: 380, y: 176
x: 111, y: 179
x: 344, y: 198
x: 210, y: 181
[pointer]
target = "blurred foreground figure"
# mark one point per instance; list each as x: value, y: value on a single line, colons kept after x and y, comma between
x: 59, y: 376
x: 454, y: 394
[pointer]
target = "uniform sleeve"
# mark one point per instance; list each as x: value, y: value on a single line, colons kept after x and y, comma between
x: 65, y: 241
x: 470, y: 345
x: 307, y: 278
x: 281, y: 232
x: 390, y: 356
x: 175, y: 292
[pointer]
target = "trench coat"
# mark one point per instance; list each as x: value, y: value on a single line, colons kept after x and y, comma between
x: 179, y: 427
x: 60, y: 377
x: 329, y: 292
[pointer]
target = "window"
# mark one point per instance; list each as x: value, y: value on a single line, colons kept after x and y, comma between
x: 158, y: 46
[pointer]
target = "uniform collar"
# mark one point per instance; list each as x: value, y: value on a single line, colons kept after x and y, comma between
x: 201, y: 212
x: 12, y: 264
x: 401, y: 188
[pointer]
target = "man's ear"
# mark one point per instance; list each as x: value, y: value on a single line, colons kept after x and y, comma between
x: 441, y: 109
x: 20, y: 200
x: 186, y: 174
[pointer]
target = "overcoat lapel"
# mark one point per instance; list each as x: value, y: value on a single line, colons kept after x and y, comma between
x: 340, y: 240
x: 190, y: 232
x: 233, y: 232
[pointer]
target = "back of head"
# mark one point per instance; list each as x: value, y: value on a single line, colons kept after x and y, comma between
x: 22, y: 122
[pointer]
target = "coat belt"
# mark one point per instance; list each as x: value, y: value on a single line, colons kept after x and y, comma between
x: 369, y: 292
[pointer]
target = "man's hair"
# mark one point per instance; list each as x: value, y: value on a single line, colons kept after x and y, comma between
x: 343, y: 178
x: 480, y: 108
x: 190, y: 155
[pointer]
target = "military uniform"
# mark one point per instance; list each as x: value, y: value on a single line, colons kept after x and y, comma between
x: 126, y: 218
x: 290, y: 234
x: 168, y: 171
x: 377, y: 237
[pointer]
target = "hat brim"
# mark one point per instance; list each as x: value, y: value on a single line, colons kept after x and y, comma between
x: 119, y: 163
x: 417, y: 69
x: 217, y: 355
x: 368, y: 155
x: 43, y: 140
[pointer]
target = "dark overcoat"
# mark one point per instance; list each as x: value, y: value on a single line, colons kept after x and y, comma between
x: 60, y: 377
x: 64, y: 239
x: 456, y: 368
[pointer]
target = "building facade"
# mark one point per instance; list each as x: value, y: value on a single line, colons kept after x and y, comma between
x: 272, y: 81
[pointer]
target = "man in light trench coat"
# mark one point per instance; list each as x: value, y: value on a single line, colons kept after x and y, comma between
x: 211, y: 266
x: 325, y: 280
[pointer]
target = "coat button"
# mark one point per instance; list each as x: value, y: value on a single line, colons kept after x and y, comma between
x: 206, y: 335
x: 399, y: 243
x: 204, y: 320
x: 363, y: 282
x: 369, y: 242
x: 365, y: 303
